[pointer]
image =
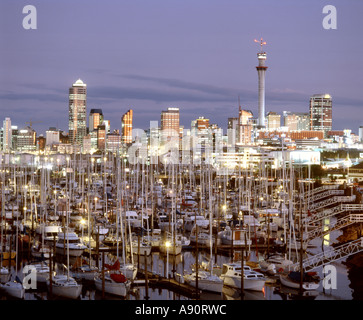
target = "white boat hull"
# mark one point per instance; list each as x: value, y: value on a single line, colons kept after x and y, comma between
x: 13, y: 289
x: 114, y: 288
x: 295, y: 285
x: 248, y: 284
x: 72, y: 252
x: 66, y: 291
x: 205, y: 284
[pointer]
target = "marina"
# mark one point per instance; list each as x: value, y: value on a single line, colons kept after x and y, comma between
x: 165, y: 151
x: 105, y: 228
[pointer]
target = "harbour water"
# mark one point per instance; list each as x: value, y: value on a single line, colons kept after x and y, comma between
x: 156, y: 263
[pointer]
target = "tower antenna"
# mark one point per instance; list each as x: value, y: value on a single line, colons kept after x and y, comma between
x: 262, y: 43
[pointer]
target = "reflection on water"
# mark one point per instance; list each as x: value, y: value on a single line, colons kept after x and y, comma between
x: 349, y: 284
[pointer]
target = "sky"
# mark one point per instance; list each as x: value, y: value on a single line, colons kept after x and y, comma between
x: 198, y: 55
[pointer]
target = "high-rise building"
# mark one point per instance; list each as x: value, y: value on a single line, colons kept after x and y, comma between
x: 201, y: 134
x: 52, y: 136
x: 101, y: 137
x: 296, y: 121
x: 114, y: 141
x: 26, y: 140
x: 14, y: 137
x: 170, y: 124
x: 321, y: 112
x: 232, y: 123
x: 95, y: 118
x: 273, y: 121
x: 202, y: 123
x: 126, y: 126
x: 40, y: 143
x: 244, y: 126
x: 7, y: 135
x: 77, y: 112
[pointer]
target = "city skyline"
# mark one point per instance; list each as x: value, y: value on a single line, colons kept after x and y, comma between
x: 197, y: 56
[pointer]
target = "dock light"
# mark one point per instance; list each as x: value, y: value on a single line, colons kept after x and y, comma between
x: 224, y: 207
x: 25, y: 208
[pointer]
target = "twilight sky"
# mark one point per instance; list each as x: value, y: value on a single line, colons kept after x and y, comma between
x: 198, y: 55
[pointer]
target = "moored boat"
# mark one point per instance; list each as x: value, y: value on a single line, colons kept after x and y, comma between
x: 252, y: 280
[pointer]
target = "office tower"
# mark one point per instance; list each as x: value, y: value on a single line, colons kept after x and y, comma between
x: 95, y: 118
x: 126, y: 126
x: 52, y: 136
x: 321, y: 112
x: 170, y: 124
x: 232, y: 123
x: 114, y: 141
x: 202, y: 123
x: 101, y: 137
x: 77, y: 112
x: 7, y: 135
x: 244, y: 126
x: 40, y: 142
x: 296, y: 121
x: 107, y: 124
x: 26, y: 140
x: 261, y: 70
x: 273, y: 121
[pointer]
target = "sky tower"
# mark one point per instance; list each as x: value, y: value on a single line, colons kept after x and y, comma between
x: 261, y: 70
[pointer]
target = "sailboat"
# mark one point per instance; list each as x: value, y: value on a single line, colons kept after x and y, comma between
x: 64, y: 285
x: 4, y: 272
x: 310, y: 280
x: 14, y: 288
x: 114, y: 283
x: 207, y: 281
x: 276, y: 263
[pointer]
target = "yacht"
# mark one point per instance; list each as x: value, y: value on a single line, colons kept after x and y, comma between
x: 65, y: 286
x: 113, y: 282
x: 235, y: 236
x: 252, y: 280
x: 206, y: 281
x: 292, y: 280
x: 49, y: 232
x: 76, y: 247
x: 14, y: 289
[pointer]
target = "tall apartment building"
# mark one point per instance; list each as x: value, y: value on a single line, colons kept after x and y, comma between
x: 321, y: 112
x: 126, y: 126
x: 273, y: 121
x: 7, y: 135
x: 170, y: 124
x: 244, y: 127
x: 95, y: 118
x: 296, y: 121
x: 77, y: 112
